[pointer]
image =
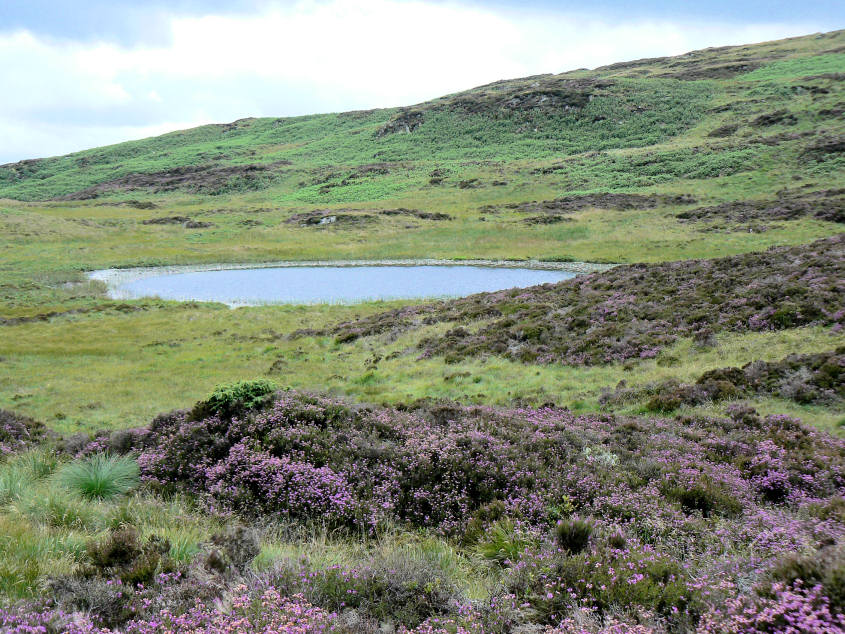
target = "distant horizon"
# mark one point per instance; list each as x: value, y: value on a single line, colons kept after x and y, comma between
x: 83, y: 75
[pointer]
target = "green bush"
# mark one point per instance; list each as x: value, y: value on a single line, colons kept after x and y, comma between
x: 233, y: 399
x: 101, y: 476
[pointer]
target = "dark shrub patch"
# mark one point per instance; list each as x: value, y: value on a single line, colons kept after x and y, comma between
x: 393, y: 589
x: 825, y: 567
x: 17, y: 432
x: 804, y: 378
x: 122, y: 554
x: 706, y: 497
x: 229, y: 400
x: 828, y: 204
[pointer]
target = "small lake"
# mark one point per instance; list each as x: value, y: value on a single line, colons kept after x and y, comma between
x: 319, y: 284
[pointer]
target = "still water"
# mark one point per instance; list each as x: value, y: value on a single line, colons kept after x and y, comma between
x: 326, y: 284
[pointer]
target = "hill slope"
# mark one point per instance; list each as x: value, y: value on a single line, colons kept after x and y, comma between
x: 710, y: 113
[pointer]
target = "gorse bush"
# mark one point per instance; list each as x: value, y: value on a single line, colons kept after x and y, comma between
x: 101, y: 476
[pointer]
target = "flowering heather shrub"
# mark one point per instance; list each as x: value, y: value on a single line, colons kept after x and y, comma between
x: 313, y: 458
x: 554, y: 581
x: 792, y: 609
x: 682, y: 512
x: 632, y: 312
x: 393, y: 588
x: 18, y: 432
x: 267, y: 614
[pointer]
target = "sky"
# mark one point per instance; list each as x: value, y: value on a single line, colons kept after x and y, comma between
x: 77, y: 74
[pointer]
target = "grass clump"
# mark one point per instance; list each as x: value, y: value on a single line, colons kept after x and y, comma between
x: 502, y: 543
x: 573, y: 535
x: 102, y: 476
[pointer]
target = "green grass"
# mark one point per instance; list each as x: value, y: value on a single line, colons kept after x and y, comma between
x: 787, y: 69
x: 101, y: 476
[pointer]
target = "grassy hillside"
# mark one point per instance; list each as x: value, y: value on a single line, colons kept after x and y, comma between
x: 674, y: 103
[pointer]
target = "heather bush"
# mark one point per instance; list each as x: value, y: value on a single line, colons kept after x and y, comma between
x: 795, y: 608
x: 823, y: 569
x: 395, y: 588
x: 553, y: 582
x: 660, y: 501
x: 18, y: 432
x: 803, y: 378
x: 125, y: 578
x: 461, y: 469
x: 101, y: 476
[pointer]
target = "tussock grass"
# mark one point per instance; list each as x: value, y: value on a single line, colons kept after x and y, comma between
x: 101, y: 477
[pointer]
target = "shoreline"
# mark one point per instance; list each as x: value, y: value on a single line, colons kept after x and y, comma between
x: 116, y: 276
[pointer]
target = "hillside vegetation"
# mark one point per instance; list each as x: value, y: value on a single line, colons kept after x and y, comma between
x: 654, y: 447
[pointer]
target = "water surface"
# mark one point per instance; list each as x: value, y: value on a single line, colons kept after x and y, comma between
x: 328, y: 284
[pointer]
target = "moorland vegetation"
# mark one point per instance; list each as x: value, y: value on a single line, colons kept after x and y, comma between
x: 653, y: 448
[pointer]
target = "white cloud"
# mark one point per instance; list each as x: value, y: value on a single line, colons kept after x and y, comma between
x: 308, y: 57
